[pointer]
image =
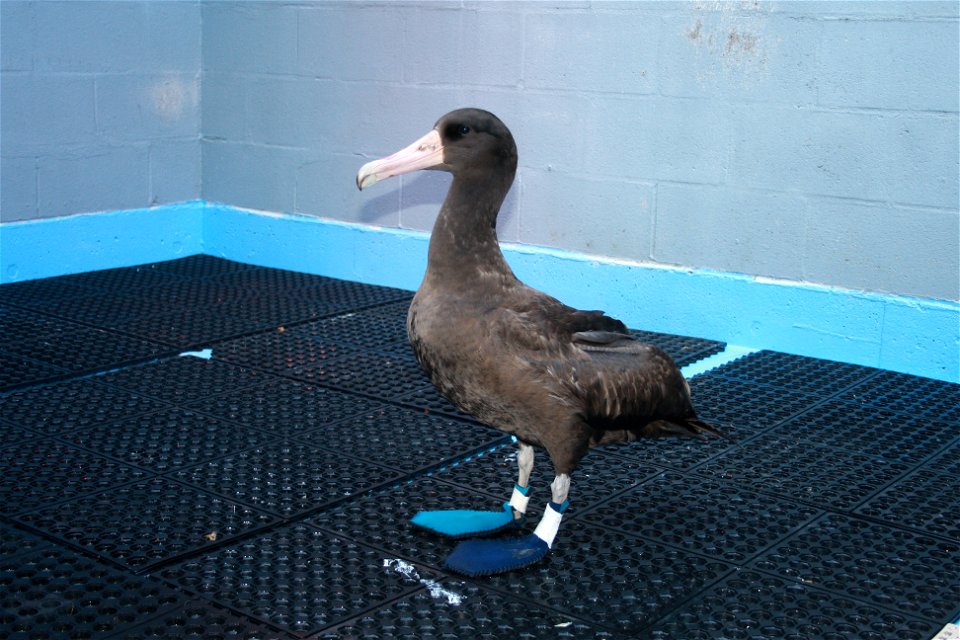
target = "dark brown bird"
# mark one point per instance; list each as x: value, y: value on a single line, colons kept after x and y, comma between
x: 514, y: 357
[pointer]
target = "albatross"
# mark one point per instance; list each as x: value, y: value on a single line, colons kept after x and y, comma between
x: 515, y: 358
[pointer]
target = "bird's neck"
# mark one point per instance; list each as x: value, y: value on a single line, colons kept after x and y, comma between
x: 463, y: 244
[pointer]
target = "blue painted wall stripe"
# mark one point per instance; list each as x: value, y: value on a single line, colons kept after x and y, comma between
x: 911, y: 335
x: 89, y: 242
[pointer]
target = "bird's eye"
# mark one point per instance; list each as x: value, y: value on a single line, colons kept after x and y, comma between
x: 463, y: 130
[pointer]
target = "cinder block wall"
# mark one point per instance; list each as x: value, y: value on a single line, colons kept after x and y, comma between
x: 99, y: 106
x: 809, y: 141
x: 814, y: 142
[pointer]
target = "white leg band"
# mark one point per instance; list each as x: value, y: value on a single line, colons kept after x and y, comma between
x: 549, y: 525
x: 518, y: 500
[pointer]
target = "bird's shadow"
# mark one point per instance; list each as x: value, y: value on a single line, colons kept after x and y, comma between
x: 417, y: 196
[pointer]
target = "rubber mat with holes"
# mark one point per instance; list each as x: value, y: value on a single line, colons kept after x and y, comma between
x: 263, y: 488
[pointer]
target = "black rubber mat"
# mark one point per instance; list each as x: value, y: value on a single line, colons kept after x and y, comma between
x: 190, y: 327
x: 166, y: 440
x: 42, y: 471
x: 201, y: 620
x: 17, y: 371
x: 119, y: 280
x: 761, y: 607
x: 927, y: 499
x: 481, y: 614
x: 708, y: 517
x: 364, y: 330
x: 33, y: 292
x: 895, y: 436
x: 683, y: 349
x: 890, y: 391
x: 285, y: 407
x: 403, y: 439
x: 793, y: 468
x: 297, y: 577
x: 264, y: 490
x: 106, y: 310
x: 19, y: 325
x: 282, y: 352
x: 378, y: 373
x: 199, y: 266
x: 145, y: 523
x: 10, y: 434
x: 286, y: 478
x: 183, y: 379
x: 14, y: 541
x: 54, y: 408
x: 617, y: 581
x: 428, y: 400
x: 90, y: 350
x: 797, y: 373
x: 56, y: 593
x: 887, y: 566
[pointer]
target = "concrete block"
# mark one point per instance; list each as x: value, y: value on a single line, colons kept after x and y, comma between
x: 42, y: 111
x: 921, y: 164
x: 135, y: 107
x: 18, y: 191
x: 610, y: 52
x: 432, y: 49
x: 173, y: 36
x: 492, y: 45
x: 903, y: 251
x: 921, y: 339
x: 857, y: 10
x: 757, y: 56
x: 358, y: 43
x: 17, y: 35
x: 753, y: 232
x: 286, y: 111
x: 250, y: 175
x: 90, y: 36
x: 250, y: 37
x: 550, y: 129
x: 374, y: 119
x: 93, y: 179
x: 174, y: 171
x: 223, y: 106
x: 327, y: 187
x: 659, y: 139
x: 595, y: 216
x: 909, y: 159
x: 890, y: 65
x: 421, y: 196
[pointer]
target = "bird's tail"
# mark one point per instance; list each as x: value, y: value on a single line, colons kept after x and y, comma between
x: 692, y: 427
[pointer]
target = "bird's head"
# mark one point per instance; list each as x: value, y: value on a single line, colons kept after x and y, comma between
x: 461, y: 142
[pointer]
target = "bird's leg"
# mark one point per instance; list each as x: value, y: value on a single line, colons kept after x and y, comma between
x: 519, y: 499
x: 462, y: 523
x: 550, y: 522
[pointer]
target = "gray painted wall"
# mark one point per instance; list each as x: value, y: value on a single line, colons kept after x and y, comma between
x: 809, y: 141
x: 99, y: 105
x: 815, y: 142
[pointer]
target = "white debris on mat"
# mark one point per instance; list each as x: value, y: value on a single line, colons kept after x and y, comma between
x: 436, y: 591
x: 949, y: 632
x: 203, y: 354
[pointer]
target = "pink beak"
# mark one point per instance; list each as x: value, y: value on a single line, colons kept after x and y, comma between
x: 425, y: 153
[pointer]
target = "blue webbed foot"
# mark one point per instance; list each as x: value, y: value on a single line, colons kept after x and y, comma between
x: 488, y: 557
x: 464, y: 523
